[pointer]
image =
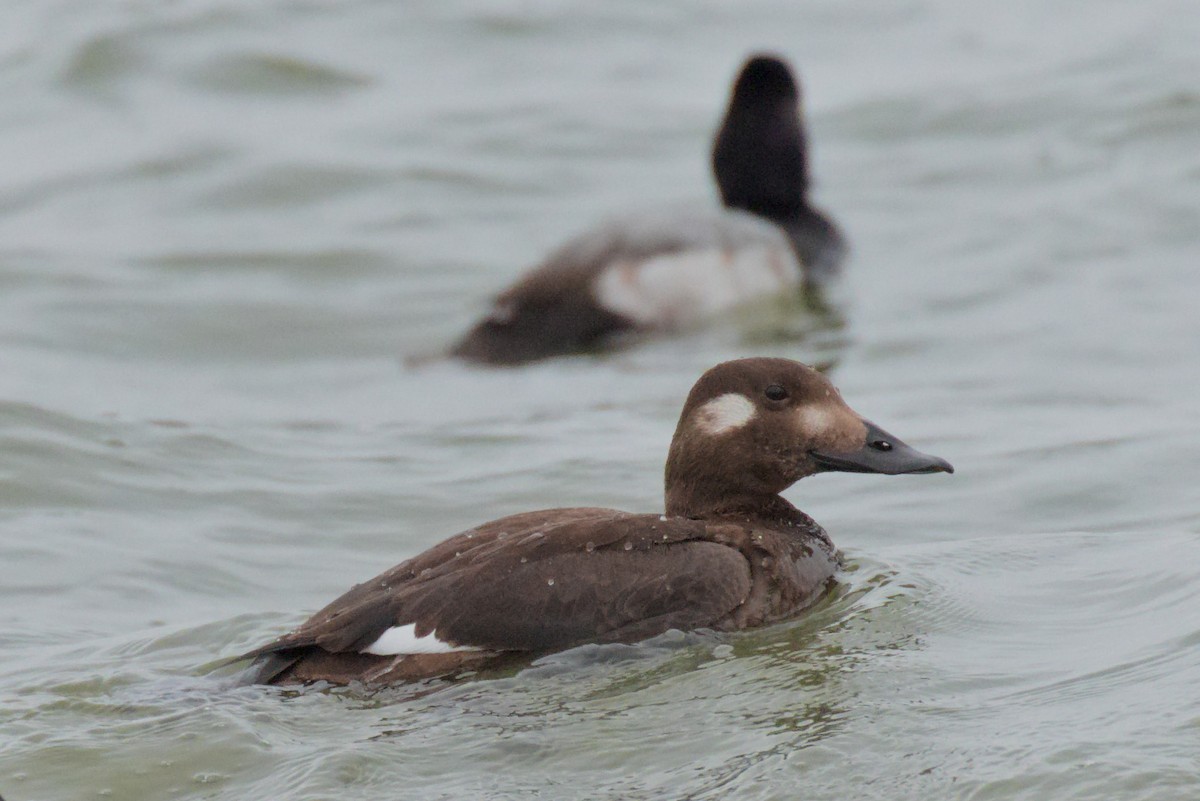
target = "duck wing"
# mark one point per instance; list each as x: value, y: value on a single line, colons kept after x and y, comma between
x: 542, y: 581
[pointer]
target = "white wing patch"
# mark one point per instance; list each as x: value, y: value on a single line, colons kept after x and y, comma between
x: 677, y: 289
x: 404, y: 640
x: 723, y: 413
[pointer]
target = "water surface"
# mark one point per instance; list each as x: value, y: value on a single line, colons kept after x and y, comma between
x: 224, y: 227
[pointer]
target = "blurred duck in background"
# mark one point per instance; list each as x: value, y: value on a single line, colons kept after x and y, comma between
x: 660, y: 272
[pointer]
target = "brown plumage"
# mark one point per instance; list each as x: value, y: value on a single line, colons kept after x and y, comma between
x: 731, y: 555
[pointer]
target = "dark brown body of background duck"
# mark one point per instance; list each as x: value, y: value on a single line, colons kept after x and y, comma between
x: 729, y: 553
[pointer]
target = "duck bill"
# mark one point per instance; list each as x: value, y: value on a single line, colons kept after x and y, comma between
x: 882, y: 453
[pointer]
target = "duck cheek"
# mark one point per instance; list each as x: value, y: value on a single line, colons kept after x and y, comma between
x: 787, y: 468
x: 803, y: 466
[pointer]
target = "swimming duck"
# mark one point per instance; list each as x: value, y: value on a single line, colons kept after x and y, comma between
x: 666, y: 271
x: 730, y: 553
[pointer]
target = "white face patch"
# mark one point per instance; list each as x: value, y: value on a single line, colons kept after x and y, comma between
x: 724, y: 413
x: 815, y: 418
x: 831, y: 422
x: 404, y: 640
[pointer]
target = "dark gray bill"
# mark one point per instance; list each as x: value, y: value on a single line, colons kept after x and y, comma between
x: 883, y: 453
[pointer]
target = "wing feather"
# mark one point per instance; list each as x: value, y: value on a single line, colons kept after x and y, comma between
x: 540, y: 581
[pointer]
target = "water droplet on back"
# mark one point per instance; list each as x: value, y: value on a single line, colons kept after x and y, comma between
x: 533, y: 538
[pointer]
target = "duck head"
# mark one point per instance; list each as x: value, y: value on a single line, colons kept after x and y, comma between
x: 760, y: 153
x: 751, y: 428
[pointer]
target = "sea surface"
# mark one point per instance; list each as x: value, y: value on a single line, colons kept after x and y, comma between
x: 234, y: 237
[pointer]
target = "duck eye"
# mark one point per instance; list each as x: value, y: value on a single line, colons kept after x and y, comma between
x: 775, y: 392
x: 881, y: 445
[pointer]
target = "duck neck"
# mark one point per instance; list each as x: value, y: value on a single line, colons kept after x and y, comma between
x: 784, y: 214
x: 695, y: 502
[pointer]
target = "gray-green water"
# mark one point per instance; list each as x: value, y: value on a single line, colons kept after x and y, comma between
x: 223, y: 224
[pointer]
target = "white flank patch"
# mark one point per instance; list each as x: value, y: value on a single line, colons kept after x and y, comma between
x: 727, y: 412
x: 678, y: 289
x: 404, y: 640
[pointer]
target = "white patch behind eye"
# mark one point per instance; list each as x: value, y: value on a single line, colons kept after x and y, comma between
x: 723, y: 413
x: 404, y: 640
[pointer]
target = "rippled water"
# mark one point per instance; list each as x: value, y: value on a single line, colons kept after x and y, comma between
x: 224, y: 226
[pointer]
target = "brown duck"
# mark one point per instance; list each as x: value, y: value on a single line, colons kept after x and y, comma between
x: 729, y: 553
